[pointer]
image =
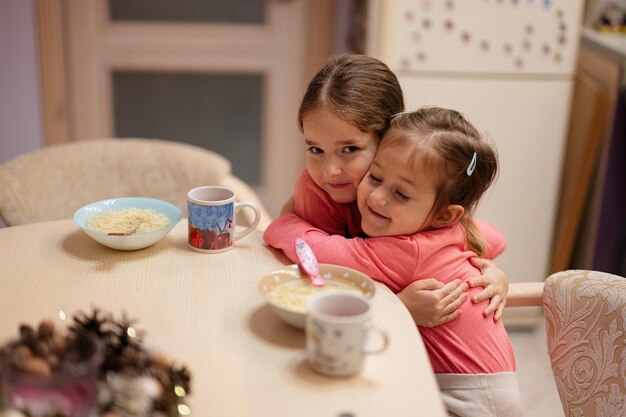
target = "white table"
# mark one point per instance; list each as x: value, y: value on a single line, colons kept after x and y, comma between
x: 204, y: 311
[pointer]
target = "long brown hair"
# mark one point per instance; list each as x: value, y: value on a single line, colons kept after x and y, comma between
x: 359, y: 89
x: 449, y: 142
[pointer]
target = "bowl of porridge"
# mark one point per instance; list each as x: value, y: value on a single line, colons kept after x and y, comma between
x: 127, y: 223
x: 288, y: 290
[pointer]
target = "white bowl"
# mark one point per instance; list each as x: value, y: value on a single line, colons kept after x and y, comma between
x: 357, y: 280
x: 133, y: 241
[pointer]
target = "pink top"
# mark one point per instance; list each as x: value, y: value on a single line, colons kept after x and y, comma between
x: 471, y: 344
x: 315, y: 206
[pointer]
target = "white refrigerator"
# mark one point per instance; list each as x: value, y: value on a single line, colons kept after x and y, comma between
x: 509, y: 66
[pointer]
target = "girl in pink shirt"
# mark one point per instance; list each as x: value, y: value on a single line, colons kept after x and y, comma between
x: 344, y: 113
x: 416, y: 202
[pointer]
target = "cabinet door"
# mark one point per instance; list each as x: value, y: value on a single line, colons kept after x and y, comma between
x: 227, y: 76
x: 589, y: 114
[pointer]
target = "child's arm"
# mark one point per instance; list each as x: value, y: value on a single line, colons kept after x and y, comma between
x: 431, y: 303
x: 370, y: 256
x: 493, y: 279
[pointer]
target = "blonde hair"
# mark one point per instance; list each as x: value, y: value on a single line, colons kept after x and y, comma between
x: 448, y: 142
x: 359, y: 89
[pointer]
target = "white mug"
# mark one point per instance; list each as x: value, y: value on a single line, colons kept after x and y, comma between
x: 211, y: 217
x: 337, y: 328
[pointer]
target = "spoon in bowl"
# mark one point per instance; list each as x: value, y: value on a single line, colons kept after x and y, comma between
x: 308, y: 262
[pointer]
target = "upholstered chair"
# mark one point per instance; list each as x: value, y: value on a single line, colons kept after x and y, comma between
x: 585, y: 314
x: 53, y: 182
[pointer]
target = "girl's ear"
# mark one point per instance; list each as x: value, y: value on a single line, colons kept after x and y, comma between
x: 448, y: 215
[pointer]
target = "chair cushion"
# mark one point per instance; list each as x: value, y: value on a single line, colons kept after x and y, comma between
x: 54, y: 182
x: 586, y: 333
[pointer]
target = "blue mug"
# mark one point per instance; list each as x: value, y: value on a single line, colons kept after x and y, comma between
x: 212, y: 221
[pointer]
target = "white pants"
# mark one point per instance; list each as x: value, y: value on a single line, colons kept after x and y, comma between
x: 481, y: 395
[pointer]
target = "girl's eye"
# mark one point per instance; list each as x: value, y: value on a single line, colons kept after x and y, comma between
x: 402, y: 197
x: 374, y: 179
x: 315, y: 150
x: 350, y: 149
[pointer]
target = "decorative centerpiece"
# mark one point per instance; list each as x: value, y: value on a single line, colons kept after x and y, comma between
x: 99, y: 367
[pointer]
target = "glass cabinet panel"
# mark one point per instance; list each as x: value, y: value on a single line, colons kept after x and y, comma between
x: 220, y: 112
x: 250, y: 12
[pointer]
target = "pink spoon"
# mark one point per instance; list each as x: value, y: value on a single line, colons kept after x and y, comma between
x: 308, y: 262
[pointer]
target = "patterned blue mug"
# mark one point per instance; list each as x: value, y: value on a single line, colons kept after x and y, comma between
x: 211, y: 218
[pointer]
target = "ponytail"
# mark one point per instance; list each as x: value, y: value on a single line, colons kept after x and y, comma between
x: 473, y: 239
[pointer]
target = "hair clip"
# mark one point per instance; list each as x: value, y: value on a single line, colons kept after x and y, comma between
x: 399, y: 114
x: 472, y: 166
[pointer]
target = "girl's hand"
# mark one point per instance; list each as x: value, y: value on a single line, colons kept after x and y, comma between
x: 432, y: 303
x: 496, y: 286
x: 288, y: 207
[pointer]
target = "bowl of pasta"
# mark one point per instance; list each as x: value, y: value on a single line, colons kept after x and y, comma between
x: 127, y: 223
x: 288, y: 290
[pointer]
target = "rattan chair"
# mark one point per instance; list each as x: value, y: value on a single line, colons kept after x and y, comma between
x: 53, y: 182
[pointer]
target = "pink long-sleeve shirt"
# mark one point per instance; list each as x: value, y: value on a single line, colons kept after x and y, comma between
x: 316, y: 207
x: 472, y: 343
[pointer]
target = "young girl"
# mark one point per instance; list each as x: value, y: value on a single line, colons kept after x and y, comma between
x: 416, y: 202
x: 344, y: 113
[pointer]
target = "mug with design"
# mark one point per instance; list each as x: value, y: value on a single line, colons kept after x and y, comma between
x: 337, y: 328
x: 212, y: 214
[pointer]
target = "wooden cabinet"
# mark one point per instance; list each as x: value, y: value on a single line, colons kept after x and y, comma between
x: 591, y: 227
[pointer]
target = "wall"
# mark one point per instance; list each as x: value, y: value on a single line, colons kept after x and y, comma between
x: 20, y: 115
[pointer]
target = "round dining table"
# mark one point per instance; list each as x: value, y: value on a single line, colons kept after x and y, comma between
x: 204, y: 311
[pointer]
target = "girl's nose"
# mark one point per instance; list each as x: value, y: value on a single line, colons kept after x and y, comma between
x: 378, y: 197
x: 332, y: 168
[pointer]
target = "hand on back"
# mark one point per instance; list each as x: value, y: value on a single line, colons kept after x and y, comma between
x: 496, y: 287
x: 432, y: 303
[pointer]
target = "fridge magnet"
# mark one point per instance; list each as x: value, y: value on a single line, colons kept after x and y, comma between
x: 546, y: 49
x: 416, y: 35
x: 519, y: 63
x: 526, y: 45
x: 508, y: 48
x: 449, y: 25
x: 408, y: 15
x: 484, y: 45
x: 420, y: 56
x: 466, y: 37
x: 449, y: 4
x: 426, y: 24
x: 426, y: 4
x: 530, y: 29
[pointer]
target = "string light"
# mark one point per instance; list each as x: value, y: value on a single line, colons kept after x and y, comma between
x: 179, y: 391
x: 131, y: 332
